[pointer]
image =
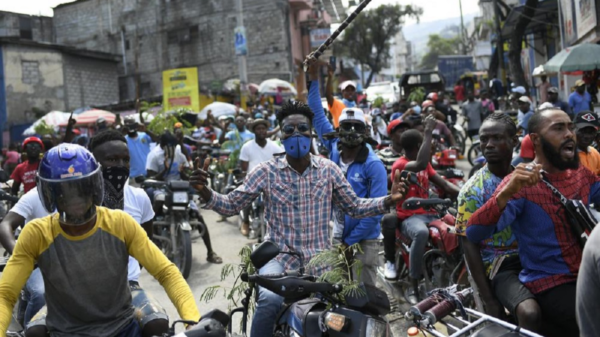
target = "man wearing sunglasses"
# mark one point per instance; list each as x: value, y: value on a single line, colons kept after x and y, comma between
x: 299, y: 190
x: 365, y: 172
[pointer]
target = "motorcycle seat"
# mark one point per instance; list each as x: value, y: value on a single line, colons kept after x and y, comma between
x: 153, y: 183
x: 496, y: 331
x: 416, y: 203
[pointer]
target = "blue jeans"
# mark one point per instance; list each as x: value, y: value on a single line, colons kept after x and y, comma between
x: 33, y: 295
x: 268, y: 304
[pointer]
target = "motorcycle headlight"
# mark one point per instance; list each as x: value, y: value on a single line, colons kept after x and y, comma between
x: 335, y: 321
x: 180, y: 198
x: 376, y: 328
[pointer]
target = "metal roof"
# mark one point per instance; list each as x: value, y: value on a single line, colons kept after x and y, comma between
x: 335, y: 9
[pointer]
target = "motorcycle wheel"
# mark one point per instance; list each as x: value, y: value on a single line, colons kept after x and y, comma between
x: 461, y: 141
x: 183, y: 260
x: 474, y: 153
x: 474, y: 169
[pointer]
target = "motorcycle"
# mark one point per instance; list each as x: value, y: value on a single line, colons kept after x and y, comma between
x: 444, y: 162
x: 325, y: 314
x: 439, y: 309
x: 443, y: 259
x: 173, y: 233
x: 460, y: 136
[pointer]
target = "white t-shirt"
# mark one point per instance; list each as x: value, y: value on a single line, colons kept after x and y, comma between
x: 137, y: 204
x: 254, y: 154
x: 156, y: 163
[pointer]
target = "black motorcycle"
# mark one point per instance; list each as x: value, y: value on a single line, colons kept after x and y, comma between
x: 324, y: 314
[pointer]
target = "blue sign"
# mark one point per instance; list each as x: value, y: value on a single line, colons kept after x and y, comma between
x: 241, y: 46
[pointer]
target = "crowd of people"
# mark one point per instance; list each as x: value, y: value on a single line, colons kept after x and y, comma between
x: 328, y: 177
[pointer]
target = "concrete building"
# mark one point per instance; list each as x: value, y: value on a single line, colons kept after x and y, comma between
x: 399, y: 59
x: 36, y: 78
x: 157, y: 35
x: 26, y: 27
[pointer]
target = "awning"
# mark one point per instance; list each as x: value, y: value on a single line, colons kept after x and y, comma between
x: 335, y: 9
x: 546, y: 15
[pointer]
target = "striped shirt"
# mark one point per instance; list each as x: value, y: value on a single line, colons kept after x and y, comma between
x: 388, y: 156
x: 298, y: 207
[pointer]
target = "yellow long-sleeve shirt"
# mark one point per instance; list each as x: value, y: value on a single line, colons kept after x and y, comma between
x: 87, y: 291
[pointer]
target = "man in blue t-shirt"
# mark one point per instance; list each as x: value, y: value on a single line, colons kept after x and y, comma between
x: 237, y: 136
x: 580, y: 99
x: 139, y: 148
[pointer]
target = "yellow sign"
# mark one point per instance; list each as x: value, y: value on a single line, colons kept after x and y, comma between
x: 180, y: 89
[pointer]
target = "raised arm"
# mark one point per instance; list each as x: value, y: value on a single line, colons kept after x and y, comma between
x: 424, y: 155
x: 321, y: 124
x: 329, y: 86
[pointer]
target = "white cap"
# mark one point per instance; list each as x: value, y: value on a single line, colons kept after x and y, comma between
x: 521, y: 90
x: 524, y: 99
x: 546, y: 105
x: 352, y: 114
x: 345, y: 84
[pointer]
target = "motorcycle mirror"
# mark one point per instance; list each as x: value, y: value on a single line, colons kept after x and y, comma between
x: 264, y: 253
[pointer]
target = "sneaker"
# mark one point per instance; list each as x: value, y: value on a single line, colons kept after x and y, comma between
x: 390, y: 270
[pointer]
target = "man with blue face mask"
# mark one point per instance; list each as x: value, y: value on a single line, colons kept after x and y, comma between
x: 348, y: 97
x: 363, y: 169
x: 300, y: 190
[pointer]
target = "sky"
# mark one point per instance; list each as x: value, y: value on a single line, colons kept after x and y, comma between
x: 433, y: 9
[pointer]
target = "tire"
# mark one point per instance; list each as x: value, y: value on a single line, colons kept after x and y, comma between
x: 183, y: 260
x: 475, y: 168
x: 474, y: 153
x: 461, y: 141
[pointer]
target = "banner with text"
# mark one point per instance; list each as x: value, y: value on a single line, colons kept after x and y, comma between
x: 585, y: 13
x: 319, y: 36
x: 180, y: 89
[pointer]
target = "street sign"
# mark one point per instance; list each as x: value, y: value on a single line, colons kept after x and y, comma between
x: 241, y: 46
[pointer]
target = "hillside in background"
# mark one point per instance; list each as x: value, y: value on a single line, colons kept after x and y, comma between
x: 418, y: 33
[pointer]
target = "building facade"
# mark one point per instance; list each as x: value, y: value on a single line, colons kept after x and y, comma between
x: 158, y: 35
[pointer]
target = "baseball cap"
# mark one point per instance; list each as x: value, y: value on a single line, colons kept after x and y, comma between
x: 579, y: 83
x: 352, y: 114
x: 546, y: 105
x: 345, y: 84
x: 396, y: 123
x: 524, y: 99
x: 553, y: 89
x: 585, y: 119
x: 521, y: 90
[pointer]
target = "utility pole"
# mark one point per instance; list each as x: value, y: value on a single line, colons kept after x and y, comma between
x: 462, y: 30
x: 499, y: 44
x: 242, y: 58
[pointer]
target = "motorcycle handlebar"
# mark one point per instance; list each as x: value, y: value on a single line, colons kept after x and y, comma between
x: 416, y: 203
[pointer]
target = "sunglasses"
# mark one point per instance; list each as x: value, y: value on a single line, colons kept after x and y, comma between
x: 357, y: 127
x: 289, y: 129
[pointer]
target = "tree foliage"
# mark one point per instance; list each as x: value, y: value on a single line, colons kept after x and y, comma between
x: 369, y: 37
x: 437, y: 46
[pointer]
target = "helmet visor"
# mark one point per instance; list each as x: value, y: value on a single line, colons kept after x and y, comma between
x: 74, y: 199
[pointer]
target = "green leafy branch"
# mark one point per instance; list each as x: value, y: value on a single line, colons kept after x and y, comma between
x: 44, y: 129
x: 417, y: 95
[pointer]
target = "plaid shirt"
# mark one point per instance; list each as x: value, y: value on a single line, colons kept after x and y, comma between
x: 298, y: 207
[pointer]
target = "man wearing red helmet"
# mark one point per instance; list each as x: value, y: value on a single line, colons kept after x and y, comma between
x: 25, y: 172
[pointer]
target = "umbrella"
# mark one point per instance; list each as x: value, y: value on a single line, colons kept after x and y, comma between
x: 90, y: 117
x: 272, y: 87
x: 582, y: 57
x: 53, y: 118
x: 218, y: 109
x: 253, y: 88
x: 541, y: 71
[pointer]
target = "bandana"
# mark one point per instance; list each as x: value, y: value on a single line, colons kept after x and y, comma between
x: 114, y: 182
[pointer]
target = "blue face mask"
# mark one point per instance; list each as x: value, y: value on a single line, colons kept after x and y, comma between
x: 297, y: 146
x: 349, y: 104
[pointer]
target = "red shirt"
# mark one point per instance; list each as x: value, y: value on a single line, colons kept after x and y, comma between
x: 414, y: 190
x: 459, y: 92
x: 527, y: 150
x: 24, y: 174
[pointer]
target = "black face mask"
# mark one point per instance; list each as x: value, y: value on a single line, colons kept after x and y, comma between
x: 114, y: 182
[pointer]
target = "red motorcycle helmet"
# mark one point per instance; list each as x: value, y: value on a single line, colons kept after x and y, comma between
x: 433, y: 96
x: 426, y: 104
x: 32, y: 140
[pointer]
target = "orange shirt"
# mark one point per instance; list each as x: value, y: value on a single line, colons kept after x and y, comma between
x: 590, y: 159
x: 336, y: 111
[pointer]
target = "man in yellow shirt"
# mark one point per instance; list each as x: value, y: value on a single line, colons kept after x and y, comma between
x: 82, y: 252
x: 587, y: 125
x: 335, y: 105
